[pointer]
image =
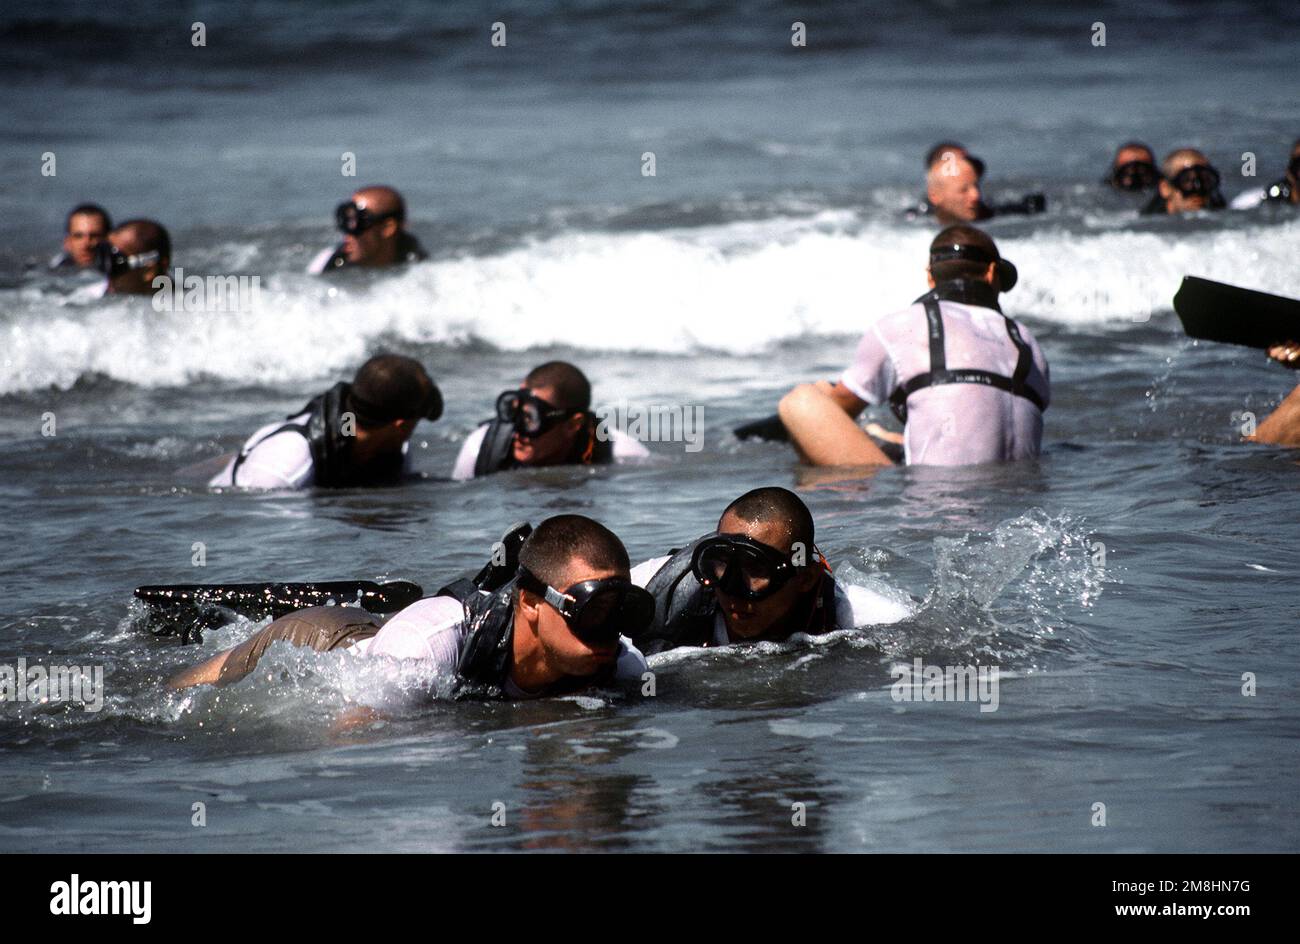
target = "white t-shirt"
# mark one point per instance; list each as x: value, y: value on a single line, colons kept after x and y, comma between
x: 434, y: 628
x: 854, y: 606
x: 321, y: 260
x: 1248, y: 200
x: 624, y: 447
x: 958, y: 423
x: 280, y: 461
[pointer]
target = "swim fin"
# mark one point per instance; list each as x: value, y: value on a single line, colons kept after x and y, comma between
x: 1213, y: 311
x: 259, y: 600
x: 770, y: 429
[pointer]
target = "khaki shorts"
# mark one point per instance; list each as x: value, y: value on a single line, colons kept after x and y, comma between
x: 321, y: 628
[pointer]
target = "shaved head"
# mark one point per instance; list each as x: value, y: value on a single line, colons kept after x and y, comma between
x: 563, y: 546
x: 786, y: 517
x: 137, y: 236
x: 373, y: 233
x: 1183, y: 157
x: 381, y: 201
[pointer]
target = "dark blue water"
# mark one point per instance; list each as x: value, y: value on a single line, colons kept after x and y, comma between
x: 767, y: 241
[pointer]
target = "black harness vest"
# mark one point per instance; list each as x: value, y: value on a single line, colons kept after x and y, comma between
x: 408, y: 250
x: 686, y: 611
x: 496, y: 454
x: 973, y: 293
x: 484, y: 665
x: 331, y: 451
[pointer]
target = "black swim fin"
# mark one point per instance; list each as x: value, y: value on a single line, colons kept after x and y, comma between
x: 770, y: 429
x: 259, y: 600
x: 1213, y: 311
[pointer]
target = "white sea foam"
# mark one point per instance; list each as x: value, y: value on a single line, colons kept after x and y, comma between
x: 740, y: 287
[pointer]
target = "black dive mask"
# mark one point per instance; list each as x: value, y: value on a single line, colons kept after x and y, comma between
x: 530, y: 415
x: 597, y: 611
x: 740, y: 566
x: 1134, y: 175
x: 113, y: 262
x: 1197, y: 180
x: 355, y: 220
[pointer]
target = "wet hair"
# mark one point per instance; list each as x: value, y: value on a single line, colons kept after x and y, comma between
x: 571, y: 386
x: 775, y: 504
x: 392, y: 387
x: 89, y: 209
x: 962, y: 234
x: 557, y: 542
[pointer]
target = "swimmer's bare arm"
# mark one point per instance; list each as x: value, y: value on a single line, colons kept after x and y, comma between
x: 821, y: 419
x: 207, y: 672
x: 1282, y: 426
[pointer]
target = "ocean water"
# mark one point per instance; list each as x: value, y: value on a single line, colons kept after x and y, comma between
x: 1124, y: 583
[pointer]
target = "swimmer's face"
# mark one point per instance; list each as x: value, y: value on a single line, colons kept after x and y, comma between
x: 954, y: 190
x: 133, y: 281
x: 553, y: 446
x: 376, y: 246
x: 85, y: 232
x: 1175, y: 200
x: 757, y: 619
x: 562, y: 651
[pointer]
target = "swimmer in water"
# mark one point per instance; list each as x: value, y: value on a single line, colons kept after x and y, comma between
x: 354, y: 434
x: 758, y: 577
x: 373, y: 223
x: 133, y: 255
x: 1282, y: 192
x: 546, y: 420
x: 1188, y: 182
x: 1282, y: 426
x: 969, y: 383
x: 953, y: 189
x: 86, y: 227
x: 1133, y: 169
x: 558, y: 626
